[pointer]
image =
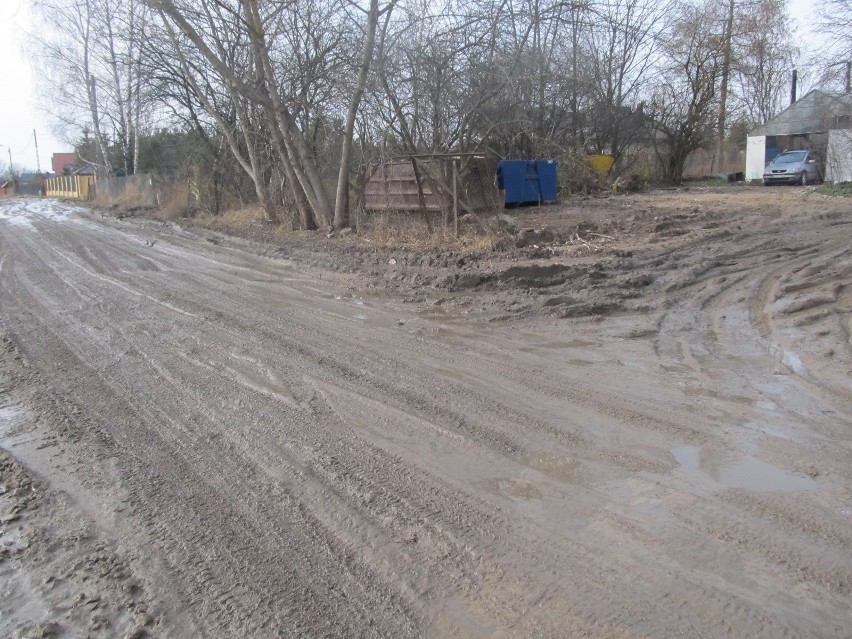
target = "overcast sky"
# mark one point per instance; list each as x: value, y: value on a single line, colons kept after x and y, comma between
x: 21, y: 109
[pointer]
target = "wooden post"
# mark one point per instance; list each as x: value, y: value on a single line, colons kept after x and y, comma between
x: 456, y: 197
x: 445, y: 211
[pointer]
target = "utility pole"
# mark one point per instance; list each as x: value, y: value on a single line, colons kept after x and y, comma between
x: 11, y: 171
x: 38, y: 162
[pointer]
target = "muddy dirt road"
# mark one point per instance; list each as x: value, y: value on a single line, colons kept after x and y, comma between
x: 200, y: 441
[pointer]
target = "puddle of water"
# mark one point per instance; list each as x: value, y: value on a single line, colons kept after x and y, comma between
x: 711, y: 394
x: 511, y: 488
x: 580, y: 362
x: 556, y: 466
x: 792, y: 361
x: 739, y: 471
x: 11, y: 417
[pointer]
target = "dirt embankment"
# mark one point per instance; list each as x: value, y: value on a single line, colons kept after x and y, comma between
x: 591, y: 256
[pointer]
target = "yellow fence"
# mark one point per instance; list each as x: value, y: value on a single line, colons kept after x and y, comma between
x: 77, y: 187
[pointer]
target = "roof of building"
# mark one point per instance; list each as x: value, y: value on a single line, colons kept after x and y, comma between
x: 816, y: 111
x: 29, y: 176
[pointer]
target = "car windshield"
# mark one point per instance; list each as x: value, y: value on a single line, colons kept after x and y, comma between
x: 790, y: 158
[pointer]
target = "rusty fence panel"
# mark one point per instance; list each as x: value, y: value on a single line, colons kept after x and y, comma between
x: 428, y: 184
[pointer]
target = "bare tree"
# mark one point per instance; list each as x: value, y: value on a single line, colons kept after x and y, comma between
x: 835, y: 58
x: 686, y: 98
x: 92, y: 58
x: 292, y: 91
x: 373, y: 14
x: 625, y: 51
x: 727, y: 37
x: 762, y: 62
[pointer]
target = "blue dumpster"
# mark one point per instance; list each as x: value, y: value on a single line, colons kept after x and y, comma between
x: 526, y: 181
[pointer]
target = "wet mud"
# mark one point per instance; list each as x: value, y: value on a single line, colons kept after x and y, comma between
x: 638, y: 427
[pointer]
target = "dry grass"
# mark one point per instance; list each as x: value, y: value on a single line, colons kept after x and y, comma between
x: 412, y: 231
x: 175, y: 202
x: 237, y: 219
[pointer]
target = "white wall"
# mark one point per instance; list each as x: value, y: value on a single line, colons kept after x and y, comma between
x: 838, y: 162
x: 755, y: 157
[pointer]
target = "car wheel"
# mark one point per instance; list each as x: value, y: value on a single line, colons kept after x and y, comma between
x: 803, y: 178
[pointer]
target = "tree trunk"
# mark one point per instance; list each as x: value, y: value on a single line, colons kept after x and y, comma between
x: 723, y: 89
x: 341, y: 201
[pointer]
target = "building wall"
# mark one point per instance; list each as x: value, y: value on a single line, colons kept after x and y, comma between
x: 702, y: 163
x: 755, y: 157
x: 838, y: 165
x: 61, y: 160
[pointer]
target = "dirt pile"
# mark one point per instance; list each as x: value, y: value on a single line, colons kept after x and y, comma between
x: 591, y: 256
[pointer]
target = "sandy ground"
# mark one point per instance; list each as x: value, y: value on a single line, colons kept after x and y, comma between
x: 635, y: 425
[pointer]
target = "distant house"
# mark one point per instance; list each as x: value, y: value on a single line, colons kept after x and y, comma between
x: 821, y: 122
x: 60, y: 161
x: 31, y: 183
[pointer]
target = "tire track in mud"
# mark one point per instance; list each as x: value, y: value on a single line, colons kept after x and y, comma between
x: 757, y: 282
x: 532, y: 379
x: 177, y: 480
x: 434, y: 509
x: 293, y: 470
x: 478, y: 525
x: 455, y: 558
x: 179, y: 464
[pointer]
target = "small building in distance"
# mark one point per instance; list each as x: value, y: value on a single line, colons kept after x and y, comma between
x: 820, y: 122
x: 31, y: 183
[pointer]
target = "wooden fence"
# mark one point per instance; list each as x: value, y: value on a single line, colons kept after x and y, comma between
x: 132, y: 190
x: 76, y: 187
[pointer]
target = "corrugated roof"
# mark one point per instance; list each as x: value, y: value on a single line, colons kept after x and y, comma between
x: 816, y: 111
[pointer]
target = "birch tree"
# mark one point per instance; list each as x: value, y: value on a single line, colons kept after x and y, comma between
x: 92, y: 50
